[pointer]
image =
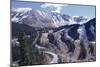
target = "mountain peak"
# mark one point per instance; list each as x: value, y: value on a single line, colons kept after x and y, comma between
x: 21, y: 9
x: 35, y: 17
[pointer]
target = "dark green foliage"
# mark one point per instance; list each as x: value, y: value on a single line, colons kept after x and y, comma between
x: 27, y: 57
x: 83, y: 51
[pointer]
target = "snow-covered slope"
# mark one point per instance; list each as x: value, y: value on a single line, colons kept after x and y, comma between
x: 37, y: 18
x: 31, y: 17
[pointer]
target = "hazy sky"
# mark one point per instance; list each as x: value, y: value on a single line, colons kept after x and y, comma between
x: 72, y: 10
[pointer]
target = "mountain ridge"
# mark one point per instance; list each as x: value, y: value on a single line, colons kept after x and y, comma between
x: 37, y: 18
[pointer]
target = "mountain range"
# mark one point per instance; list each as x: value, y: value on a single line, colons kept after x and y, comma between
x: 62, y: 37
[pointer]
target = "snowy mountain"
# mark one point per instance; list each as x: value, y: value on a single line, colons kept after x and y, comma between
x: 37, y: 18
x: 34, y: 18
x: 53, y: 37
x: 28, y: 18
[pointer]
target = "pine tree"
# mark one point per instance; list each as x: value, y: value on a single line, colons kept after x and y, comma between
x: 27, y: 57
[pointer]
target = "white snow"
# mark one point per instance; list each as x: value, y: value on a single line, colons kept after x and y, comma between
x: 39, y: 47
x: 55, y: 57
x: 15, y: 19
x: 22, y: 9
x: 43, y: 19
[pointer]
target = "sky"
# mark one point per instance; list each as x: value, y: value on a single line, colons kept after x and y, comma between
x: 68, y: 9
